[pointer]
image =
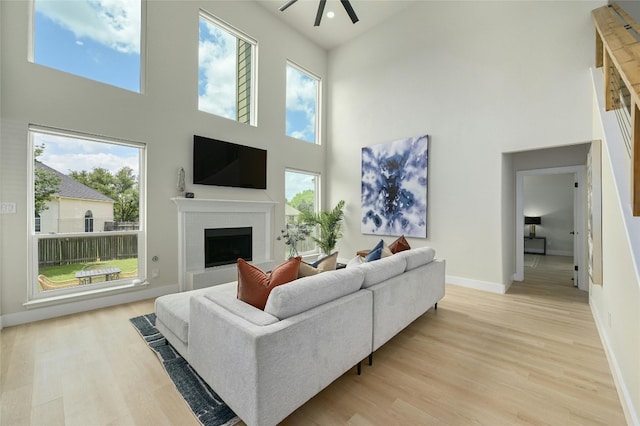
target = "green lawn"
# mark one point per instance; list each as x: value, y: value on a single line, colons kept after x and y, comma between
x: 67, y: 272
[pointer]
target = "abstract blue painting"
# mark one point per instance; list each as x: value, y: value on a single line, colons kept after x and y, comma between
x: 394, y: 187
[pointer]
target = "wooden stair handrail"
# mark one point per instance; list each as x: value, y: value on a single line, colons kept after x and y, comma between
x: 617, y: 46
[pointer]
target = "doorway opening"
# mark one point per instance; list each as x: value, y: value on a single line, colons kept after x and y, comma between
x: 550, y: 222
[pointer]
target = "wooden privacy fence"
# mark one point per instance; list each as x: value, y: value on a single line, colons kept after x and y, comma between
x: 66, y: 250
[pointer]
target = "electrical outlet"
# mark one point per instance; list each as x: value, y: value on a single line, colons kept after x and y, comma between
x: 7, y: 208
x: 155, y: 273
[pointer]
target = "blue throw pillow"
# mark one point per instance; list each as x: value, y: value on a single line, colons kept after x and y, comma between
x: 374, y: 254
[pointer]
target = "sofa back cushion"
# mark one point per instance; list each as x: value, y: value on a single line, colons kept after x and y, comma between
x: 381, y: 270
x: 417, y: 256
x: 308, y: 292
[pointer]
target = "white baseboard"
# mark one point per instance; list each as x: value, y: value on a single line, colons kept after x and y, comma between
x: 630, y: 414
x: 475, y: 284
x: 53, y: 311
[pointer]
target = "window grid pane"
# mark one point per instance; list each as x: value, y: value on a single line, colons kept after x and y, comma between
x: 87, y: 221
x: 301, y: 191
x: 302, y: 100
x: 106, y: 50
x: 226, y: 71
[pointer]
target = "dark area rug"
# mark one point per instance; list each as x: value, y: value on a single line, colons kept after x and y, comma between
x: 204, y: 402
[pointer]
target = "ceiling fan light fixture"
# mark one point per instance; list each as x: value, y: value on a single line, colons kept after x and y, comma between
x: 350, y: 11
x: 345, y: 3
x: 286, y: 5
x: 320, y: 12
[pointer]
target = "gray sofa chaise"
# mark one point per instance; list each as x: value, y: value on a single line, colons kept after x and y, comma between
x: 265, y: 364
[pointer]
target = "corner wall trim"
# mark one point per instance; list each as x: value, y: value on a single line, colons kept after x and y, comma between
x: 53, y: 311
x: 475, y: 284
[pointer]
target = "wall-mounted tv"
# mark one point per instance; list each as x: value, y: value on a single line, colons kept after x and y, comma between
x: 223, y: 163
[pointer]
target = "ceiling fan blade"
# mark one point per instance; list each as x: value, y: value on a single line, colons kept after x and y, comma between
x: 286, y: 5
x: 350, y: 11
x: 320, y: 12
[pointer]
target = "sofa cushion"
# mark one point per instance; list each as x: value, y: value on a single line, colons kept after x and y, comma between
x: 327, y: 263
x: 231, y: 303
x: 172, y: 310
x: 417, y: 256
x: 309, y: 292
x: 399, y: 245
x: 381, y: 270
x: 254, y: 285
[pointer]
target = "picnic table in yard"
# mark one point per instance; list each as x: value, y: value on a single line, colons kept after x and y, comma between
x: 88, y: 272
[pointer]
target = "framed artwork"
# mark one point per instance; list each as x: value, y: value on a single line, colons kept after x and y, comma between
x: 594, y: 213
x: 394, y: 187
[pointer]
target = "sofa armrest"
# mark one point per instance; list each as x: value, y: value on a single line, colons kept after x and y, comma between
x: 265, y: 372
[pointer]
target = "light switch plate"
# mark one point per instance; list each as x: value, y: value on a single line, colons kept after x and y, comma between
x: 7, y: 208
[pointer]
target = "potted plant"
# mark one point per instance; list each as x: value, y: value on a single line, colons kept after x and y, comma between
x: 329, y: 226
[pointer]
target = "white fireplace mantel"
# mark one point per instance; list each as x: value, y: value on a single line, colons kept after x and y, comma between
x: 196, y: 214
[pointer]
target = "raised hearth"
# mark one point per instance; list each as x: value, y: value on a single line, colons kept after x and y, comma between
x: 195, y: 215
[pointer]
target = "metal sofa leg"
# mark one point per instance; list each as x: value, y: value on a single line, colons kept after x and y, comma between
x: 359, y: 368
x: 371, y: 358
x: 436, y: 306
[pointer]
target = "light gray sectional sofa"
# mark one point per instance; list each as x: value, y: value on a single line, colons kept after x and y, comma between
x: 265, y: 364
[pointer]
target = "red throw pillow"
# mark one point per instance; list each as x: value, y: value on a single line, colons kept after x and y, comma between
x: 254, y: 285
x: 399, y: 245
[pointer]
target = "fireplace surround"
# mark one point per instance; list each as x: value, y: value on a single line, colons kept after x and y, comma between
x: 195, y: 215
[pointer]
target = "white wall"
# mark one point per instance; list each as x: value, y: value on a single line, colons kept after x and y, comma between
x: 481, y: 83
x: 616, y: 303
x: 165, y: 118
x: 551, y: 198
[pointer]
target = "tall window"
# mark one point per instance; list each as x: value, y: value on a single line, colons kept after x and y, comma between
x: 302, y: 106
x: 95, y: 39
x: 226, y: 71
x: 302, y: 190
x: 88, y: 210
x: 88, y: 221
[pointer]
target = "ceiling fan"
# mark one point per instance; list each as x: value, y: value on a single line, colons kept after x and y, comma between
x: 345, y: 3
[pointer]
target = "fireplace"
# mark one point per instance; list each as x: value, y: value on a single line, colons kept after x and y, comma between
x: 197, y: 214
x: 223, y: 246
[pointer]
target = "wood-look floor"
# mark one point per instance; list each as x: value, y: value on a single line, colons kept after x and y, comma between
x: 532, y: 356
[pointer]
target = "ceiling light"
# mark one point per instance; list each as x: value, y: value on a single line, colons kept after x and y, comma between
x: 330, y: 14
x: 345, y: 3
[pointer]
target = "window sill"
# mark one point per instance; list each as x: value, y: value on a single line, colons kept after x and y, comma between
x: 90, y: 294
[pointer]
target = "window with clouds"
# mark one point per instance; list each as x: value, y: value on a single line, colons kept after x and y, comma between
x: 88, y: 196
x: 226, y: 71
x: 303, y: 89
x: 97, y: 39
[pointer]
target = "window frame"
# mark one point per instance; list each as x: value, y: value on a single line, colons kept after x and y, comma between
x: 319, y: 116
x: 34, y: 295
x: 253, y: 93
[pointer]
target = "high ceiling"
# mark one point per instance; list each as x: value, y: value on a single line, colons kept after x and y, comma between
x: 335, y: 31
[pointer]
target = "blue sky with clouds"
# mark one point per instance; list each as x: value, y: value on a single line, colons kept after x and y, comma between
x: 98, y: 39
x: 70, y: 154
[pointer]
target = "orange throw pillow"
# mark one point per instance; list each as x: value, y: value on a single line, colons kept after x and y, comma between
x: 399, y: 245
x: 254, y: 285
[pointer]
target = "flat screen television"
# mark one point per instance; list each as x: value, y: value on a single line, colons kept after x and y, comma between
x: 223, y: 163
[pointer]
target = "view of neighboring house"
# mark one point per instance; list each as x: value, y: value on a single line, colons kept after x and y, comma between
x: 74, y: 208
